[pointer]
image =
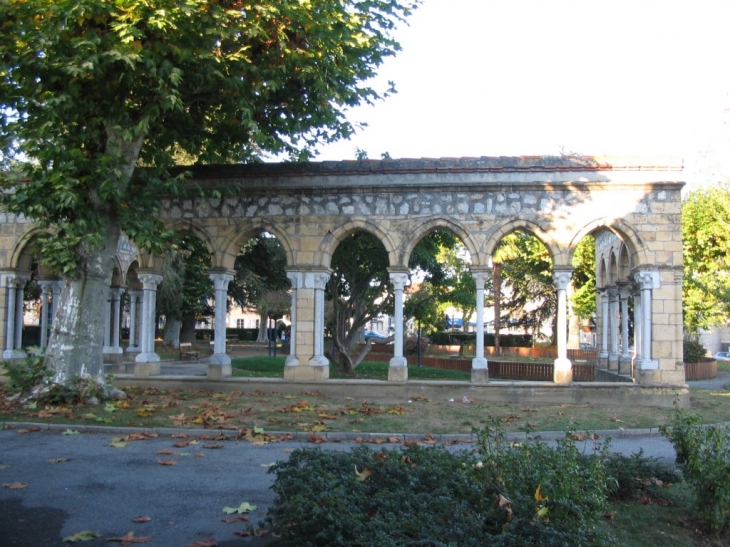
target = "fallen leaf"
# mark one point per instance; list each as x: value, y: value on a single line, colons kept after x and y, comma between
x: 17, y: 485
x: 204, y: 543
x: 166, y: 452
x: 142, y: 519
x: 364, y: 474
x: 83, y: 535
x: 609, y: 514
x: 4, y: 466
x: 70, y: 432
x: 58, y: 460
x: 117, y: 444
x: 244, y: 508
x: 166, y: 462
x: 212, y: 446
x: 129, y: 538
x: 229, y: 520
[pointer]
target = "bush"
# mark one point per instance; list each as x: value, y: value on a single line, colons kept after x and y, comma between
x: 694, y: 351
x: 429, y: 496
x: 704, y: 456
x: 636, y: 476
x: 25, y: 374
x: 410, y: 345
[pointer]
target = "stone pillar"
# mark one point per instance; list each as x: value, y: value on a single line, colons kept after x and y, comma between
x: 296, y: 281
x: 479, y: 365
x: 113, y: 351
x: 624, y: 361
x: 398, y: 369
x: 647, y: 281
x: 308, y: 331
x: 46, y: 288
x: 14, y: 284
x: 613, y: 351
x: 563, y: 368
x: 107, y: 322
x: 638, y: 313
x: 220, y: 361
x: 147, y: 363
x: 603, y: 355
x: 135, y: 298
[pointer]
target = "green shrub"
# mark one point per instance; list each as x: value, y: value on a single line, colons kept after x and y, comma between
x: 694, y: 351
x: 410, y: 345
x: 25, y: 374
x: 429, y: 496
x: 704, y: 456
x: 637, y: 476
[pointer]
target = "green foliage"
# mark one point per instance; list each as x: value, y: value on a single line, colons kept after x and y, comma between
x: 527, y: 271
x: 637, y: 476
x: 259, y: 268
x: 410, y: 345
x: 91, y: 89
x: 584, y: 278
x: 429, y: 496
x: 25, y: 374
x: 555, y: 486
x: 704, y: 456
x: 693, y: 350
x: 706, y: 240
x: 77, y: 391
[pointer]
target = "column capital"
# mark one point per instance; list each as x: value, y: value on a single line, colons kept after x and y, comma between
x: 295, y: 278
x: 220, y: 279
x: 561, y: 278
x: 480, y: 275
x: 647, y: 280
x: 399, y: 279
x: 314, y: 279
x: 150, y: 281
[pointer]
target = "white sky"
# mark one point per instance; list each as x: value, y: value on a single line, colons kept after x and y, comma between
x: 533, y: 77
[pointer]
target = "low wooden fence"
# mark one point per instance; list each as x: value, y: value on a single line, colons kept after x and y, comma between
x: 701, y: 371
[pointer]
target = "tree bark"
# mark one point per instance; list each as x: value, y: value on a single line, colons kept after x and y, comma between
x: 171, y: 336
x: 263, y: 325
x: 187, y: 330
x: 75, y: 348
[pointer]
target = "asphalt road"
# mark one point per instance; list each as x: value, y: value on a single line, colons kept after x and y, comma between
x: 103, y: 488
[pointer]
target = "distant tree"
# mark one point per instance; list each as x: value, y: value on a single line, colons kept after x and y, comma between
x: 528, y: 294
x: 91, y: 91
x: 186, y: 291
x: 706, y: 248
x: 584, y: 278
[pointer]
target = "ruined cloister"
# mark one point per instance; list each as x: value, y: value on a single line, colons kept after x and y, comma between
x: 633, y: 210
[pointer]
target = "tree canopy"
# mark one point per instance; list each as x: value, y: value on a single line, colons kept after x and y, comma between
x: 706, y: 248
x: 91, y: 91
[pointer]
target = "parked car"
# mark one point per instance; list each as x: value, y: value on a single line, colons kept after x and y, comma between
x: 722, y: 356
x: 372, y: 334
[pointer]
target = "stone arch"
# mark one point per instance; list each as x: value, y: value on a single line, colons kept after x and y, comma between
x: 231, y: 243
x: 602, y: 280
x: 189, y: 227
x: 422, y: 230
x: 323, y: 256
x: 22, y: 255
x: 624, y: 263
x: 612, y: 268
x: 522, y: 224
x: 118, y: 274
x: 637, y: 253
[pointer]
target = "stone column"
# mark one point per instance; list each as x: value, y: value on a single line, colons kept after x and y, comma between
x: 624, y: 360
x: 135, y: 298
x: 46, y: 288
x: 14, y: 284
x: 613, y: 351
x: 107, y: 322
x: 638, y: 311
x: 147, y: 363
x: 603, y: 355
x: 647, y: 281
x: 220, y: 361
x: 479, y: 365
x: 112, y: 350
x: 318, y: 359
x: 398, y: 369
x: 296, y: 281
x: 563, y: 368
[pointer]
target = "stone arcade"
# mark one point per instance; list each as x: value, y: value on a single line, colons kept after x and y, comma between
x: 633, y: 209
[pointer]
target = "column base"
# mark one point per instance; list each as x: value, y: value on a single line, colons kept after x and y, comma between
x: 147, y: 358
x: 133, y: 349
x: 219, y: 371
x: 308, y: 372
x: 613, y: 359
x: 145, y: 369
x: 673, y: 378
x: 398, y: 370
x: 479, y: 371
x: 291, y: 361
x: 624, y: 364
x: 220, y: 359
x: 14, y: 354
x: 562, y: 371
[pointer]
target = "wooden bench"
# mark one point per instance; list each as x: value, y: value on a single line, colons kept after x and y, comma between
x: 187, y: 351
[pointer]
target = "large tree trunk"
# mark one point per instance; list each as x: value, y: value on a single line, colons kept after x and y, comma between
x: 187, y: 331
x: 77, y: 338
x: 171, y: 336
x: 263, y: 326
